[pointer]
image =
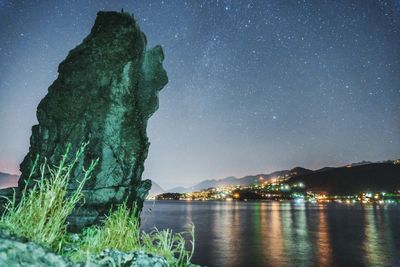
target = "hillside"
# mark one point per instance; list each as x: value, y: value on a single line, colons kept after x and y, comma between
x: 246, y: 180
x: 354, y: 179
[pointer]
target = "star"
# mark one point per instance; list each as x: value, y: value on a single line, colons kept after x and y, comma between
x: 256, y: 76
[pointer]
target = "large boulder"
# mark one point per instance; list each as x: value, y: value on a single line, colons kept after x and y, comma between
x: 106, y: 90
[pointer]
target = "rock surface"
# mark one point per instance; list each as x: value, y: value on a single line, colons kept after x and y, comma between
x: 19, y: 252
x: 106, y: 91
x: 133, y: 259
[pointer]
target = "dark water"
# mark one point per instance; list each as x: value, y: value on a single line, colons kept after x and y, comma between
x: 284, y: 233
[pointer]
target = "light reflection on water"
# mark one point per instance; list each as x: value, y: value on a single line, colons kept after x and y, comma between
x: 225, y: 228
x: 375, y: 238
x: 272, y: 234
x: 324, y: 250
x: 283, y: 233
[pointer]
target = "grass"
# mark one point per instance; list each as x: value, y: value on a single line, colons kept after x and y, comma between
x: 40, y: 215
x: 121, y: 231
x: 169, y: 245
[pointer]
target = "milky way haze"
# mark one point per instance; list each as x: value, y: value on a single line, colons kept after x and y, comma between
x: 254, y: 86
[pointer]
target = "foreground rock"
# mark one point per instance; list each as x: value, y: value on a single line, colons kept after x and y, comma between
x: 134, y: 259
x: 106, y: 91
x: 18, y: 252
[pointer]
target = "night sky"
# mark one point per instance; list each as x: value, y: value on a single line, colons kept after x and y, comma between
x: 254, y: 86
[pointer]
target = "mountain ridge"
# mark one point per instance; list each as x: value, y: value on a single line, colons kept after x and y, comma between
x: 230, y: 180
x: 250, y: 179
x: 349, y: 179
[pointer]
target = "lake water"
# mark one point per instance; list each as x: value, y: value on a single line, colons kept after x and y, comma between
x: 283, y: 233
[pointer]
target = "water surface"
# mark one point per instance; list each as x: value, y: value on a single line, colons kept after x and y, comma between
x: 283, y: 233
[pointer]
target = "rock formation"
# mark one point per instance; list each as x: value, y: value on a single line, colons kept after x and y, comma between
x: 106, y: 90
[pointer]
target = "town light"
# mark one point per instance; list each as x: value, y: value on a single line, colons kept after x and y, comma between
x: 236, y: 195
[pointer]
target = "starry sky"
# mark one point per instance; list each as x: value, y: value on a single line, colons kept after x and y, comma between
x: 254, y: 86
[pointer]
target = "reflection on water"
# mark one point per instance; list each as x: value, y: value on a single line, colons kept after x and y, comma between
x: 375, y: 239
x: 283, y: 233
x: 324, y: 250
x: 272, y: 234
x: 225, y: 229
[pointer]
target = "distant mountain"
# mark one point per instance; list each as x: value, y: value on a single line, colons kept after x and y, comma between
x: 299, y: 171
x: 352, y: 178
x: 179, y: 189
x: 324, y: 169
x: 156, y: 189
x: 359, y: 163
x: 8, y: 180
x: 246, y: 180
